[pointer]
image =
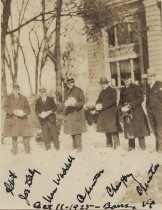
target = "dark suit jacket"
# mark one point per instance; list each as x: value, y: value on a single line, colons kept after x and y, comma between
x: 40, y: 106
x: 154, y: 96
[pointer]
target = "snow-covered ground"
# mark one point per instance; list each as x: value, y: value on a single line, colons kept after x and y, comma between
x: 94, y: 158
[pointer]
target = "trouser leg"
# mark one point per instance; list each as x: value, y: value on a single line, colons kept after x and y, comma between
x: 77, y: 141
x: 26, y: 142
x: 142, y: 143
x: 158, y: 120
x: 54, y: 135
x: 109, y: 139
x: 116, y: 140
x: 152, y: 121
x: 74, y: 142
x: 14, y: 145
x: 46, y: 135
x: 131, y: 143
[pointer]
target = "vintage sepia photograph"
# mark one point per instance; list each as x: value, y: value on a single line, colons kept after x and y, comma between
x: 81, y: 105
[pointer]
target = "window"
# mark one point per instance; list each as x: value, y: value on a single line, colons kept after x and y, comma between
x: 119, y: 68
x: 123, y: 33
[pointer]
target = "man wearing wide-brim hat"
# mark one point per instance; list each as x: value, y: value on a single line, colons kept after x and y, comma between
x: 45, y: 109
x: 74, y: 122
x: 106, y: 106
x: 17, y: 110
x: 154, y: 106
x: 130, y: 105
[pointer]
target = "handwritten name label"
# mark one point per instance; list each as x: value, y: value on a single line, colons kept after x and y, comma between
x: 140, y: 188
x: 49, y: 198
x: 28, y: 182
x: 11, y: 182
x: 88, y: 190
x: 111, y: 189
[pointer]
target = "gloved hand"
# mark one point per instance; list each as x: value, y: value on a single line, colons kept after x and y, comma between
x: 71, y: 101
x: 125, y: 108
x: 43, y: 115
x: 19, y: 113
x: 98, y: 107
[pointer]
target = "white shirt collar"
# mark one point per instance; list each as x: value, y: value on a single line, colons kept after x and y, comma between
x: 152, y: 84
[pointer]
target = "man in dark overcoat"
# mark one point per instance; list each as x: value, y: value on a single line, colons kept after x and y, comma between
x: 154, y: 107
x: 16, y: 123
x: 134, y: 118
x: 45, y: 108
x: 74, y: 122
x: 107, y: 121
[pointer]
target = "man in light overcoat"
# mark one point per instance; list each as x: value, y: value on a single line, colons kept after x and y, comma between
x: 74, y: 122
x: 16, y: 124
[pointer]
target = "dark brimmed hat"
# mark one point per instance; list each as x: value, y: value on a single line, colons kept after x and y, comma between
x: 15, y: 86
x: 103, y: 80
x: 70, y: 80
x: 126, y: 76
x: 42, y: 89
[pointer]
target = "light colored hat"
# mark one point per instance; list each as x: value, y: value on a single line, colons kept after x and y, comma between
x: 151, y: 72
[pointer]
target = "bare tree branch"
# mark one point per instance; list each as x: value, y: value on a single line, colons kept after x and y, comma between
x: 27, y: 70
x: 51, y: 56
x: 27, y: 22
x: 31, y: 44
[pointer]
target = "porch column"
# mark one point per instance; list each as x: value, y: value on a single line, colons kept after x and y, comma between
x: 154, y: 36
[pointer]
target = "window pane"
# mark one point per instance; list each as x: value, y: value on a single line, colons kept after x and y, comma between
x: 134, y: 32
x: 137, y: 70
x: 113, y: 70
x: 111, y: 36
x: 123, y: 34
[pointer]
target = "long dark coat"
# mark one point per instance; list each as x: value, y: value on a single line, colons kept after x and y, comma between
x: 16, y: 126
x: 40, y: 106
x: 108, y: 117
x: 138, y: 126
x: 74, y: 122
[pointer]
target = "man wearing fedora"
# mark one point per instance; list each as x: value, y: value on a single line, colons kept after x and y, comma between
x: 45, y: 108
x: 130, y: 105
x: 74, y: 122
x: 106, y: 106
x: 154, y: 107
x: 16, y: 124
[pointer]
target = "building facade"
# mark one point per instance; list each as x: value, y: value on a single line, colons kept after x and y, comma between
x: 133, y: 46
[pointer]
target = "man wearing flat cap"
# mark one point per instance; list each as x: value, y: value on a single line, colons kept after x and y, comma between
x: 154, y: 107
x: 106, y: 106
x: 45, y: 108
x: 17, y: 110
x: 130, y: 105
x: 74, y: 122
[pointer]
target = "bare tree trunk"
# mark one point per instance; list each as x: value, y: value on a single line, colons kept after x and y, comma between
x: 36, y: 76
x: 4, y: 27
x: 27, y: 71
x: 57, y: 53
x: 45, y: 40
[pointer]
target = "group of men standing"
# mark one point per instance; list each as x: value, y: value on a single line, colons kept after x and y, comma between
x: 129, y: 108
